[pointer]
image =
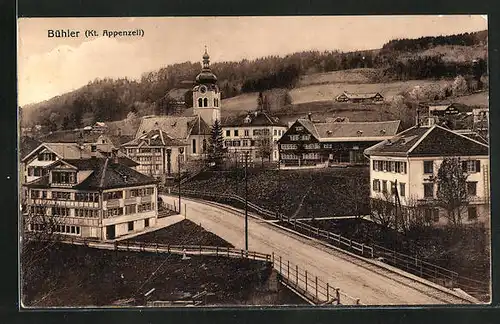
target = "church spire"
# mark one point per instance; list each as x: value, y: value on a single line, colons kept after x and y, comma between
x: 206, y: 59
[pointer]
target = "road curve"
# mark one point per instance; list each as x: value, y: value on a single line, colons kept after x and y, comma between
x: 372, y: 287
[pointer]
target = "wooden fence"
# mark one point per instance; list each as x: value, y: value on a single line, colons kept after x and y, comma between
x: 411, y: 264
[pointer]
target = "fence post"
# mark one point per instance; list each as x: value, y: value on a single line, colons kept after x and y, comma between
x: 372, y: 252
x: 316, y: 287
x: 362, y: 249
x: 337, y: 295
x: 327, y: 292
x: 306, y: 281
x: 350, y: 243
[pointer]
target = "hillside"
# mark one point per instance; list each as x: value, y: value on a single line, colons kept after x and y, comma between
x: 310, y: 76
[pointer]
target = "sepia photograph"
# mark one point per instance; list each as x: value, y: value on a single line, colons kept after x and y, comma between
x: 326, y: 161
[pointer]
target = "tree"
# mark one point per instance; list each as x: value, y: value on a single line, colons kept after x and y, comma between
x: 216, y: 149
x: 265, y: 145
x: 383, y: 210
x: 452, y: 189
x: 459, y: 86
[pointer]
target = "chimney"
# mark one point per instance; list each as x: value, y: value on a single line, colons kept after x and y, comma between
x: 114, y: 155
x: 309, y: 116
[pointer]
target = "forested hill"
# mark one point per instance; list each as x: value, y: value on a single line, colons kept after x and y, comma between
x: 402, y: 59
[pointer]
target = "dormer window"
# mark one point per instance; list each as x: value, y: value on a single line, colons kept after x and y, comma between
x: 46, y: 156
x: 63, y: 177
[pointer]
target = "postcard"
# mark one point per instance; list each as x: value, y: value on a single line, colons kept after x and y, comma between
x: 324, y: 161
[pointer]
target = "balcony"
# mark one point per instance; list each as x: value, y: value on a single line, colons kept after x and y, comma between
x: 63, y: 203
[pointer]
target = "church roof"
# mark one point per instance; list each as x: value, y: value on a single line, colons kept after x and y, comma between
x: 177, y: 127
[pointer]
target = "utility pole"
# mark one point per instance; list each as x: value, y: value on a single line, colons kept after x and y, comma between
x: 246, y: 201
x: 181, y: 151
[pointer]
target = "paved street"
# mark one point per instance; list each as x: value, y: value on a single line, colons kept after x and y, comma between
x: 372, y: 287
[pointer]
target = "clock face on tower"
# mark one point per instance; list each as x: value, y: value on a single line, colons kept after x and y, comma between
x: 203, y: 89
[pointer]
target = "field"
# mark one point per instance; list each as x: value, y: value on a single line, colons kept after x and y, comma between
x: 475, y: 100
x: 296, y: 193
x: 184, y: 232
x: 345, y: 76
x: 323, y: 92
x: 71, y: 276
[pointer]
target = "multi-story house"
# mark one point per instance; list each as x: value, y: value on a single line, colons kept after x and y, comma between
x: 373, y: 97
x: 412, y: 159
x: 310, y: 143
x: 98, y: 198
x: 258, y: 134
x: 157, y: 153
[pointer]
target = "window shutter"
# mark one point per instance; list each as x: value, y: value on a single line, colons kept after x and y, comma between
x: 478, y: 166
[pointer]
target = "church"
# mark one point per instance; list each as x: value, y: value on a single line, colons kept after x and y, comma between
x: 188, y: 136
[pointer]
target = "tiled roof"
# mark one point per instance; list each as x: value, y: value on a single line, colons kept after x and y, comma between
x: 255, y: 119
x: 309, y: 125
x: 428, y: 141
x: 27, y: 145
x: 106, y: 175
x: 71, y: 136
x: 178, y: 127
x: 155, y: 137
x: 127, y: 127
x: 368, y: 95
x: 358, y: 129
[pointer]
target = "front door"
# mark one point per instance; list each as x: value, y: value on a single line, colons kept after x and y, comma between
x: 110, y: 232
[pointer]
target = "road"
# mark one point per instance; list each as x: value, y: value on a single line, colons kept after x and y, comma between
x: 371, y: 286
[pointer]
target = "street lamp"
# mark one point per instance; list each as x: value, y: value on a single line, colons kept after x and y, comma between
x: 181, y: 151
x: 246, y: 201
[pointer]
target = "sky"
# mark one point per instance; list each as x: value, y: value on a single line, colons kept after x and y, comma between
x: 48, y: 67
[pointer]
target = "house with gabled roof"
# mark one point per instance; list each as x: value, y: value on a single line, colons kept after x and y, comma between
x: 93, y: 198
x: 370, y: 97
x: 257, y: 133
x: 412, y: 159
x: 309, y: 143
x: 157, y: 153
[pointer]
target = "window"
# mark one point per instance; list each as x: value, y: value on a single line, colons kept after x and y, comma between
x: 194, y: 145
x: 200, y: 102
x: 235, y: 132
x: 428, y: 167
x: 227, y: 143
x: 61, y: 195
x: 146, y: 222
x: 131, y: 226
x: 288, y: 146
x: 87, y: 196
x: 247, y: 132
x: 130, y: 209
x: 60, y: 211
x: 145, y: 207
x: 471, y: 188
x: 384, y: 166
x: 428, y: 190
x: 294, y: 137
x: 63, y: 177
x: 306, y: 137
x: 275, y: 132
x: 86, y: 213
x: 299, y: 128
x: 118, y: 211
x: 376, y: 185
x: 205, y: 102
x: 402, y: 188
x: 384, y: 186
x: 393, y: 188
x: 46, y: 156
x: 327, y: 146
x: 93, y: 148
x: 113, y: 195
x: 245, y: 142
x: 472, y: 213
x: 392, y: 166
x: 397, y: 167
x: 471, y: 166
x: 215, y: 102
x: 228, y: 133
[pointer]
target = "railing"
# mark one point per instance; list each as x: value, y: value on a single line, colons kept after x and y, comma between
x: 411, y: 264
x: 170, y: 248
x: 311, y: 287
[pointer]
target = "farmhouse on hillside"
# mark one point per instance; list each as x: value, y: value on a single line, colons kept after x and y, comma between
x: 413, y: 157
x: 256, y: 134
x: 372, y: 97
x: 309, y: 143
x: 98, y: 198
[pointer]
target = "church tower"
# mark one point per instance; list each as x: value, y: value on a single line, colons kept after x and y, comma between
x: 206, y: 94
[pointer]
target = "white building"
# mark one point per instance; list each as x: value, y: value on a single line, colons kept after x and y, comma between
x: 97, y: 198
x: 251, y: 133
x: 413, y: 157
